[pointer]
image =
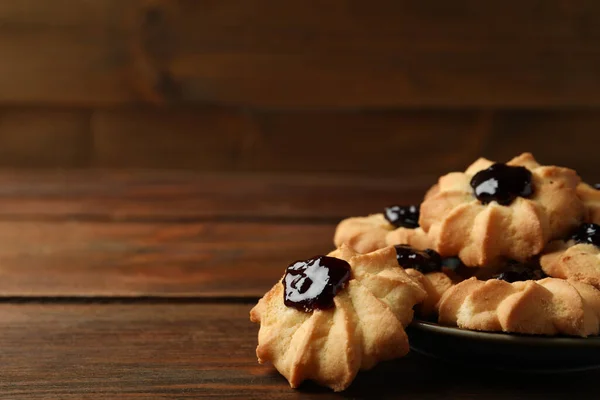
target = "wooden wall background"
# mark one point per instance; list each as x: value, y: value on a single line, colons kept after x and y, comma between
x: 363, y: 87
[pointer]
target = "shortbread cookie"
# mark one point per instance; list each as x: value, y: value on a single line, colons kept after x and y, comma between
x: 435, y: 284
x: 416, y: 238
x: 427, y: 267
x: 590, y: 195
x: 363, y: 234
x: 496, y: 211
x: 396, y: 225
x: 577, y: 258
x: 548, y: 306
x: 334, y: 315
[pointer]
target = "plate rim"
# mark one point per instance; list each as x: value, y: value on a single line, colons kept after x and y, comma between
x: 531, y: 340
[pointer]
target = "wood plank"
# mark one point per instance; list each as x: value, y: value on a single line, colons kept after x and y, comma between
x: 493, y: 55
x: 562, y: 138
x: 187, y: 196
x: 396, y: 143
x: 392, y: 143
x: 64, y: 52
x: 60, y: 14
x: 411, y: 79
x: 233, y: 259
x: 207, y: 350
x: 44, y: 138
x: 55, y: 66
x: 384, y: 25
x: 245, y: 54
x: 264, y: 53
x: 204, y: 138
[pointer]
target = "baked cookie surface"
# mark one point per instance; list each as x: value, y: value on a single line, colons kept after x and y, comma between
x: 497, y: 211
x: 528, y: 229
x: 577, y: 258
x: 363, y: 234
x: 590, y: 196
x: 366, y: 234
x: 434, y: 273
x: 435, y: 284
x: 548, y: 306
x: 364, y: 326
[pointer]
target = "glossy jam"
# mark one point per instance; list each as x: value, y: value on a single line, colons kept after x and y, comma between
x: 423, y: 261
x: 502, y: 183
x: 587, y: 234
x: 520, y: 272
x: 312, y: 284
x: 402, y: 216
x: 596, y: 186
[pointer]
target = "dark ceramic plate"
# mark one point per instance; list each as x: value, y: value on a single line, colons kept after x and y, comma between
x: 505, y: 351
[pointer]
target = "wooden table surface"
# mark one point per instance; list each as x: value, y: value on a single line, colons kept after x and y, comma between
x: 139, y: 284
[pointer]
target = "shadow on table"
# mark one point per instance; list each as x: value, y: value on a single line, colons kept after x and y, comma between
x: 418, y: 377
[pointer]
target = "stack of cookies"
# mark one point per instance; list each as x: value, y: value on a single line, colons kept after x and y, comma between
x: 511, y: 247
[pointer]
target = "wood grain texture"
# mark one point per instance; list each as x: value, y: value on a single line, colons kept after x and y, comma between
x: 59, y: 14
x: 137, y: 284
x: 63, y: 52
x: 146, y: 259
x: 207, y: 351
x: 61, y: 67
x: 185, y: 196
x: 270, y: 54
x: 44, y: 138
x: 204, y: 138
x: 398, y: 143
x: 393, y: 143
x: 561, y: 138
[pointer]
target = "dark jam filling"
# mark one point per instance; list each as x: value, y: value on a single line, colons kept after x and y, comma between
x: 516, y: 271
x: 423, y: 261
x: 312, y: 284
x: 402, y: 216
x: 502, y: 183
x: 596, y: 186
x: 587, y: 234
